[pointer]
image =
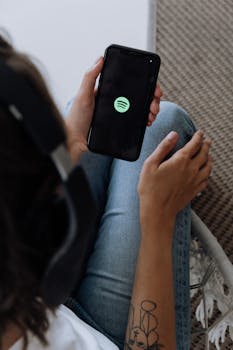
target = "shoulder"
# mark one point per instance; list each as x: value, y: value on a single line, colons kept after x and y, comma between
x: 68, y: 332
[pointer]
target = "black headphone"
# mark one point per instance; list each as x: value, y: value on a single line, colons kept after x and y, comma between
x: 66, y: 267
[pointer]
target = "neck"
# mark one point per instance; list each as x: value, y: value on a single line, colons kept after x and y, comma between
x: 10, y: 336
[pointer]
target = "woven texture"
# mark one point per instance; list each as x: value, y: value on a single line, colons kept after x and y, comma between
x: 195, y: 41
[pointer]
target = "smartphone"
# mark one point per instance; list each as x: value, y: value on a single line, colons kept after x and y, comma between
x: 126, y: 87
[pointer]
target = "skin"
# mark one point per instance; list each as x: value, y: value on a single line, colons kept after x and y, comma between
x: 190, y: 168
x: 167, y: 195
x: 157, y: 189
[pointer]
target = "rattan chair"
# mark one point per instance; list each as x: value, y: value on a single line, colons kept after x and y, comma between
x: 215, y: 277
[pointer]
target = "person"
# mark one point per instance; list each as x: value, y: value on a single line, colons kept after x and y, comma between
x: 135, y: 292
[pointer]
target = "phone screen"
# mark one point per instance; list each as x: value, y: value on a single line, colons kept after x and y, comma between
x: 125, y: 91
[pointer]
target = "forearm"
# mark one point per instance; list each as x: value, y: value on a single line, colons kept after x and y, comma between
x: 152, y: 311
x: 76, y: 150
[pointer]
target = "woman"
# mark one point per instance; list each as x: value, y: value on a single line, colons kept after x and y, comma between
x: 143, y: 230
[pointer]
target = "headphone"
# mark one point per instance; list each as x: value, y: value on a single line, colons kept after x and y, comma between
x: 67, y: 265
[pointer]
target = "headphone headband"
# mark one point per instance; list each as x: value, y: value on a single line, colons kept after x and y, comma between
x: 13, y: 90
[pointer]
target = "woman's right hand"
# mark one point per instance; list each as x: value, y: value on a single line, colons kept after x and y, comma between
x: 166, y: 187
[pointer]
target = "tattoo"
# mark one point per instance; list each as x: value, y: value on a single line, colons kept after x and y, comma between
x: 143, y: 336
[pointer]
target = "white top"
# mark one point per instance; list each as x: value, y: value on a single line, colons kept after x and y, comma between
x: 68, y: 332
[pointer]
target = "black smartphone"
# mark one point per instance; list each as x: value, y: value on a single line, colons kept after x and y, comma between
x: 126, y: 87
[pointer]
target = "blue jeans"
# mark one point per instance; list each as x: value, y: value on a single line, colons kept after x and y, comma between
x: 103, y: 298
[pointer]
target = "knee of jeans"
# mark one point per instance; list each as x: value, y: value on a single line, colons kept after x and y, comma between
x: 176, y: 118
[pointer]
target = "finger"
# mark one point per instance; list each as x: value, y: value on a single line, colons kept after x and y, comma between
x: 202, y: 157
x: 151, y: 118
x: 89, y: 79
x: 205, y: 172
x: 154, y: 107
x: 157, y: 99
x: 158, y: 92
x: 164, y: 148
x: 194, y: 145
x: 202, y: 186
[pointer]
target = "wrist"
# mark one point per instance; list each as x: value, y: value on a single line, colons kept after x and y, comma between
x: 76, y: 148
x: 158, y: 226
x: 76, y: 144
x: 156, y: 215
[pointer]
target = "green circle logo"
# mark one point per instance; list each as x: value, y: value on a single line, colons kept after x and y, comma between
x: 121, y: 104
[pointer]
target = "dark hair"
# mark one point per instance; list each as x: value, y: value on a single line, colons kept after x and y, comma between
x: 28, y: 181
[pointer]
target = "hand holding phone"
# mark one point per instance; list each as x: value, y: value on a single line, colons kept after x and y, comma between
x: 80, y: 112
x: 126, y: 89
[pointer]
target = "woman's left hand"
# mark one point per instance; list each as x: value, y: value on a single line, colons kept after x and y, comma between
x: 80, y: 116
x: 155, y: 105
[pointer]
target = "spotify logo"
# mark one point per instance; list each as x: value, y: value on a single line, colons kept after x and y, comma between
x: 121, y: 104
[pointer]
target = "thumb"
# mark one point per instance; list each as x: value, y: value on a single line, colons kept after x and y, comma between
x: 89, y: 79
x: 165, y: 146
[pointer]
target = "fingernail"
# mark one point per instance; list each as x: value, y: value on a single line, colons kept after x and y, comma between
x: 171, y: 135
x: 201, y: 133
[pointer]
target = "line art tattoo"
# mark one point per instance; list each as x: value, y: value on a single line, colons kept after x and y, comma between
x: 143, y: 336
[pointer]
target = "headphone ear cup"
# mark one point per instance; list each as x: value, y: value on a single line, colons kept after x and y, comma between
x: 68, y: 265
x: 44, y: 231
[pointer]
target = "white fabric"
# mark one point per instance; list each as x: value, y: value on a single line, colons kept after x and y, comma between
x: 68, y: 332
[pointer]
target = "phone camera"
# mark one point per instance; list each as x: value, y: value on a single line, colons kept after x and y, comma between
x: 151, y: 61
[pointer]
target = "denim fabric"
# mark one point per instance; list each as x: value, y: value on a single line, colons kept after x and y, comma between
x: 104, y: 295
